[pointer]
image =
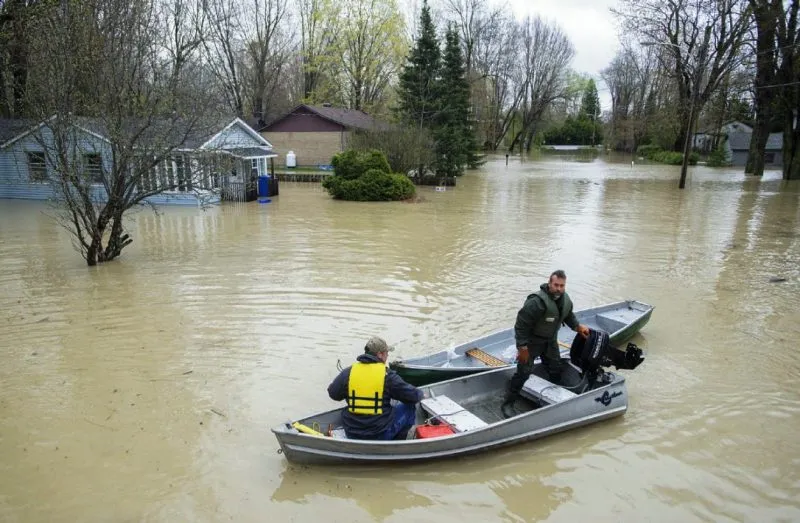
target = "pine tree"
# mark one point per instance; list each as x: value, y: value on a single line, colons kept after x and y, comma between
x: 590, y: 102
x: 590, y: 111
x: 455, y: 140
x: 418, y: 80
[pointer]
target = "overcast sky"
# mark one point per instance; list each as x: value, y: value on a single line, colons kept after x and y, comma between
x: 590, y: 26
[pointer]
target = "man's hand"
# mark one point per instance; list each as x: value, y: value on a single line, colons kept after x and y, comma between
x: 522, y: 355
x: 583, y: 330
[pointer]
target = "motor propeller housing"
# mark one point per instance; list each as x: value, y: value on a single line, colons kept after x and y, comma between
x: 595, y: 351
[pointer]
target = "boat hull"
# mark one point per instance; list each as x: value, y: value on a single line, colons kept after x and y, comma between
x: 446, y: 365
x: 602, y: 403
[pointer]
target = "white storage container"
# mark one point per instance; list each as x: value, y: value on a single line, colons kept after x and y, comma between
x: 291, y: 159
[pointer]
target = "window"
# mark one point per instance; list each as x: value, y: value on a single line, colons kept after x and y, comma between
x: 37, y: 167
x: 93, y: 167
x: 769, y: 158
x: 183, y: 173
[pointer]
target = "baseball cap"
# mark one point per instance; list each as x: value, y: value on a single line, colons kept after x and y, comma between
x: 377, y: 345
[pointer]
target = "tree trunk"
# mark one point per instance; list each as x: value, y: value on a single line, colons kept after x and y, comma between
x: 514, y: 142
x: 766, y: 14
x: 117, y: 240
x: 94, y: 252
x: 791, y: 149
x: 758, y: 144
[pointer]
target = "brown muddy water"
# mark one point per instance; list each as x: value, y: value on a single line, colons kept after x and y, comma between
x: 144, y: 389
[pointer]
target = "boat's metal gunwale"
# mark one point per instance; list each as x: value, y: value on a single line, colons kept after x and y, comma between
x: 580, y: 410
x: 422, y: 370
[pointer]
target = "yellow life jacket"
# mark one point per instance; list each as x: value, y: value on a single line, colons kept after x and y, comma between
x: 365, y: 388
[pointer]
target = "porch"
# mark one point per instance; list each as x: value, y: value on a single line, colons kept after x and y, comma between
x: 251, y: 175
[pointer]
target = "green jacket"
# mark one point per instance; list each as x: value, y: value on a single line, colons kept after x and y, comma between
x: 540, y: 318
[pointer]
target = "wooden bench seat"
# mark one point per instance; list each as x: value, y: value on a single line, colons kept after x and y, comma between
x: 455, y: 415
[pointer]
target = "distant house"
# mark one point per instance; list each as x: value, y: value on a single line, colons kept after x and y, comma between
x: 314, y: 133
x: 735, y: 138
x: 25, y: 172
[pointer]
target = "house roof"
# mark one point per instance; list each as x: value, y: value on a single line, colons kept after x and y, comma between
x: 736, y: 125
x: 10, y: 128
x: 189, y: 134
x: 350, y: 118
x: 740, y: 141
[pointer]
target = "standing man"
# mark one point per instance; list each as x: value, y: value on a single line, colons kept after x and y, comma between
x: 536, y: 333
x: 369, y: 387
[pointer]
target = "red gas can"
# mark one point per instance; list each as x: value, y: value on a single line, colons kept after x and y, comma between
x: 433, y: 431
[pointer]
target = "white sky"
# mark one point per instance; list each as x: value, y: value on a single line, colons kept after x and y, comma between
x: 590, y: 26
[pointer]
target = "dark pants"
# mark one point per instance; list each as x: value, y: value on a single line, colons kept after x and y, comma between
x: 551, y: 359
x: 403, y: 417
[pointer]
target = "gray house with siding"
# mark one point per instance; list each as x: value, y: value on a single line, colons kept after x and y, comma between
x: 735, y: 138
x: 738, y: 146
x: 191, y: 175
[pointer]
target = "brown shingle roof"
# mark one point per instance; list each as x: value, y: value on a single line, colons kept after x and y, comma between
x: 350, y: 118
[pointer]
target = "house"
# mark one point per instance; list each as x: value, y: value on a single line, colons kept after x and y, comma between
x: 216, y: 160
x: 735, y: 138
x: 314, y: 133
x: 737, y: 147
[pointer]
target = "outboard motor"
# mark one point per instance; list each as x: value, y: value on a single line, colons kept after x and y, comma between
x: 595, y: 351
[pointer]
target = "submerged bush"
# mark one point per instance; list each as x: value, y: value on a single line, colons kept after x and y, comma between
x: 718, y: 157
x: 657, y: 154
x: 366, y: 177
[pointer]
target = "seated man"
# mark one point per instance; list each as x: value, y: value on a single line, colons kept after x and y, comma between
x: 369, y: 387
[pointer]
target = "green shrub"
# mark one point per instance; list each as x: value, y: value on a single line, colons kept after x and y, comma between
x: 648, y: 150
x: 657, y: 154
x: 718, y: 157
x: 351, y: 164
x: 668, y: 157
x: 373, y: 184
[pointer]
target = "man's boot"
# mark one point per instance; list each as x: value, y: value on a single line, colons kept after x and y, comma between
x: 507, y: 408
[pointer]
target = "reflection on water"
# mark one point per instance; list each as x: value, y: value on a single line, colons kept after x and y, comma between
x: 144, y: 389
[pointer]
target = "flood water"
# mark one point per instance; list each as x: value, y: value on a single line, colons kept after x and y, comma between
x: 145, y: 389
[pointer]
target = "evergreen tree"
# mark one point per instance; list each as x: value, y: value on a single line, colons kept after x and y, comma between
x: 590, y: 113
x: 455, y: 141
x: 590, y: 103
x: 418, y: 81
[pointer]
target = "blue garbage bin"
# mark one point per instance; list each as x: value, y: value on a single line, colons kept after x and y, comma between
x: 263, y: 185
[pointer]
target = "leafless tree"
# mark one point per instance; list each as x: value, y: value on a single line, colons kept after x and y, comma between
x: 268, y: 50
x: 475, y: 21
x: 225, y: 50
x: 701, y: 41
x: 128, y: 148
x: 639, y: 90
x: 546, y: 53
x: 184, y: 26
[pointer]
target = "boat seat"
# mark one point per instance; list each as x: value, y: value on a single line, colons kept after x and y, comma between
x: 460, y: 419
x: 540, y: 389
x: 609, y: 323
